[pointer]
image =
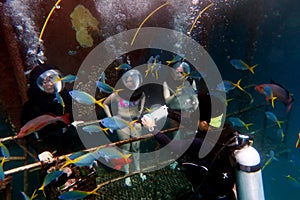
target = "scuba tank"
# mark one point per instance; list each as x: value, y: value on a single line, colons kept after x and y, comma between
x: 248, y: 173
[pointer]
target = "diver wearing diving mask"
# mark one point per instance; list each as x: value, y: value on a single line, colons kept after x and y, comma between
x: 128, y: 105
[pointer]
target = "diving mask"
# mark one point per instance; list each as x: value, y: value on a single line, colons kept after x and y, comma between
x: 132, y: 79
x: 50, y: 81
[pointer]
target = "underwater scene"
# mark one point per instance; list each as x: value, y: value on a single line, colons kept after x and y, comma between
x: 108, y: 99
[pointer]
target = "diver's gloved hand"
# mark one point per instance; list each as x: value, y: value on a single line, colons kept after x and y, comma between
x: 148, y: 122
x: 46, y: 157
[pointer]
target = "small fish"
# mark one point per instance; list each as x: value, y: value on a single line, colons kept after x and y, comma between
x: 238, y: 122
x: 26, y: 197
x: 292, y: 178
x: 115, y: 157
x: 2, y: 175
x: 154, y: 65
x: 176, y: 59
x: 60, y: 100
x: 40, y: 122
x: 116, y: 123
x: 72, y: 52
x: 94, y: 129
x: 83, y: 160
x: 228, y: 100
x: 239, y: 64
x: 298, y: 141
x: 85, y: 98
x: 279, y: 92
x: 66, y: 79
x: 123, y: 66
x: 103, y: 87
x: 272, y: 157
x: 77, y: 194
x: 271, y: 116
x: 237, y: 85
x: 4, y: 151
x: 49, y: 178
x: 119, y: 162
x: 225, y: 86
x: 280, y: 134
x: 102, y: 77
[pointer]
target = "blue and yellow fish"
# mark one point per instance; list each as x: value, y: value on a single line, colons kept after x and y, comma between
x: 177, y: 58
x: 272, y: 157
x: 4, y: 151
x: 271, y: 116
x: 154, y: 65
x: 95, y: 129
x: 280, y: 134
x: 77, y: 194
x: 298, y: 141
x: 239, y: 64
x: 26, y: 197
x: 238, y: 122
x: 86, y: 159
x: 49, y: 178
x: 66, y: 79
x: 123, y: 66
x: 2, y: 175
x: 225, y: 86
x: 116, y: 123
x: 60, y: 100
x: 85, y: 98
x: 104, y: 87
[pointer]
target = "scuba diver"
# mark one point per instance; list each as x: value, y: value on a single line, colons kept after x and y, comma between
x: 183, y: 96
x: 47, y: 96
x: 213, y: 176
x: 43, y: 94
x: 128, y: 105
x: 180, y: 93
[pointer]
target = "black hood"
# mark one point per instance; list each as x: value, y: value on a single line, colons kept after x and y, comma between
x: 34, y: 90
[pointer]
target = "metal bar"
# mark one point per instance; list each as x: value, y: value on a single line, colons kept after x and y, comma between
x: 60, y: 158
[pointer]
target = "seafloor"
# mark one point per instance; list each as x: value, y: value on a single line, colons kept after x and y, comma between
x: 165, y: 183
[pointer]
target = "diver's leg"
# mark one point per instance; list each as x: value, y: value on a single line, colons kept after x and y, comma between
x: 124, y: 134
x: 136, y: 132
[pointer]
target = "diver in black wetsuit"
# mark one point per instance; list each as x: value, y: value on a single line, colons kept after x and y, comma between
x: 212, y: 177
x: 42, y: 99
x: 57, y: 138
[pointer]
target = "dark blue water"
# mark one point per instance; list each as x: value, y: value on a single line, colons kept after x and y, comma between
x: 271, y: 39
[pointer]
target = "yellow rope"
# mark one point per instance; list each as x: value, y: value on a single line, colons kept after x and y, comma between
x: 157, y: 9
x: 47, y: 19
x: 202, y: 11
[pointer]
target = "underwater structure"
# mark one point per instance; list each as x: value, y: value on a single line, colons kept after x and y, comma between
x: 64, y: 33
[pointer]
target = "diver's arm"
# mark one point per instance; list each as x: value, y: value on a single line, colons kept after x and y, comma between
x: 167, y: 95
x: 106, y: 104
x: 142, y: 104
x: 177, y: 146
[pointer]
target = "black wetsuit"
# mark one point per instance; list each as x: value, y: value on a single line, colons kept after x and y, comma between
x: 212, y: 177
x: 58, y: 136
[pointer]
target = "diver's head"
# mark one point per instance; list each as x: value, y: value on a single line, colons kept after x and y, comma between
x: 46, y: 78
x: 181, y: 69
x: 132, y: 79
x: 209, y: 118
